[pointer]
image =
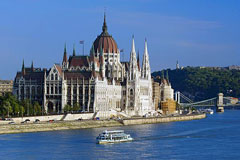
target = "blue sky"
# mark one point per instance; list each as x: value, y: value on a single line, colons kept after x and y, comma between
x: 194, y: 32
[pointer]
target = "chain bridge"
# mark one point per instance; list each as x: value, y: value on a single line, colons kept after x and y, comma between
x: 220, y: 101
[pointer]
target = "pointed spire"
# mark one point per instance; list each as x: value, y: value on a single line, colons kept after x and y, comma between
x: 133, y: 62
x: 32, y: 67
x: 133, y: 44
x: 65, y: 48
x: 146, y: 71
x: 145, y: 47
x: 138, y: 56
x: 74, y: 52
x: 65, y: 54
x: 104, y: 27
x: 23, y: 68
x: 138, y: 61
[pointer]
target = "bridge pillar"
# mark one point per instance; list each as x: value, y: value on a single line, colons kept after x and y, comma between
x: 220, y: 107
x: 177, y: 97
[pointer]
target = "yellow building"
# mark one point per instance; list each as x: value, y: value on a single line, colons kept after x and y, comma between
x: 156, y: 94
x: 6, y: 86
x: 168, y: 106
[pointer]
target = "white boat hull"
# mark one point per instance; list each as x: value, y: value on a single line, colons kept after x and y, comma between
x: 114, y: 141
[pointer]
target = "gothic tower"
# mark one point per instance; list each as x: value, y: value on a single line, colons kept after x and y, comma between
x: 65, y: 60
x: 146, y: 71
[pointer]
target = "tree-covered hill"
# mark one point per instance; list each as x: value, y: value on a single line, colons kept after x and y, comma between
x: 201, y: 83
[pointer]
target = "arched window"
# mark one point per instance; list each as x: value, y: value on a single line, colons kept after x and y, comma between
x: 56, y: 90
x: 131, y: 91
x: 47, y: 89
x: 39, y: 90
x: 56, y: 76
x: 131, y: 104
x: 52, y: 89
x: 33, y: 90
x: 52, y: 77
x: 60, y: 90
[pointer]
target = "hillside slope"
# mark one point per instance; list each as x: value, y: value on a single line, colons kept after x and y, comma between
x: 201, y: 83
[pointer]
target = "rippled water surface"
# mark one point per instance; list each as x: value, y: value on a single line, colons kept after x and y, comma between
x: 216, y: 137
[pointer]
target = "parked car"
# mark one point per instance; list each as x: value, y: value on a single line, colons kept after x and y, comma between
x: 36, y: 121
x: 79, y: 119
x: 52, y: 120
x: 11, y: 123
x: 27, y: 120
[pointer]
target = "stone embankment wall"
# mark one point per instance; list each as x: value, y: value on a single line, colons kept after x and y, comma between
x: 69, y: 117
x: 37, y: 127
x: 64, y: 125
x: 162, y: 119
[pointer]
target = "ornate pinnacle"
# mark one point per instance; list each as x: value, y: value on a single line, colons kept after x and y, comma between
x: 104, y: 27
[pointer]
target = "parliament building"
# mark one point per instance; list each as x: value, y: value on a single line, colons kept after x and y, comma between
x: 98, y: 83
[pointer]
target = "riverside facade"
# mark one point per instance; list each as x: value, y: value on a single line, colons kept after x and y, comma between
x: 98, y: 83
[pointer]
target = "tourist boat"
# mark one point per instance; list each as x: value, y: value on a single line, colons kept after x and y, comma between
x: 208, y: 111
x: 115, y: 136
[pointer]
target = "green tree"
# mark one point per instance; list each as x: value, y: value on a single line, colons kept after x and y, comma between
x: 16, y: 109
x: 36, y: 109
x: 67, y: 108
x: 21, y: 109
x: 27, y: 105
x: 7, y: 106
x: 76, y: 107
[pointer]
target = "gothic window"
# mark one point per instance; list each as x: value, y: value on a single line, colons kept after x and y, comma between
x: 39, y: 92
x: 92, y: 91
x: 56, y: 90
x: 86, y: 90
x: 124, y: 92
x: 131, y: 91
x: 56, y: 76
x: 60, y: 90
x: 52, y: 77
x: 86, y: 103
x: 33, y: 91
x: 131, y: 104
x: 80, y: 93
x: 28, y: 92
x: 69, y: 91
x: 69, y: 95
x: 75, y: 90
x: 52, y: 90
x: 22, y: 92
x: 47, y: 89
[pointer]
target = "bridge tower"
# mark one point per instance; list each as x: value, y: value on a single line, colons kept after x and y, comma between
x: 177, y: 97
x: 220, y: 107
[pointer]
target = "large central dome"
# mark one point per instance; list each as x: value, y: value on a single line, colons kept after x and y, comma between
x: 105, y: 41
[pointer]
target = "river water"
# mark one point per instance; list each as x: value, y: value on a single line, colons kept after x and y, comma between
x: 216, y: 137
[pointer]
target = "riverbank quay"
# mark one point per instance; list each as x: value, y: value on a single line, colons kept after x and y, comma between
x: 67, y: 125
x: 151, y: 120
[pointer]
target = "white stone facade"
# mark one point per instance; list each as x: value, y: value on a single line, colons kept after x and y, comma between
x: 98, y: 83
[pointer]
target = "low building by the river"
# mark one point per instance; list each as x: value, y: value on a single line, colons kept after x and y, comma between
x: 6, y: 86
x: 163, y: 94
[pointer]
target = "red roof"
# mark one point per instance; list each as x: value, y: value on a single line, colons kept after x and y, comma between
x: 79, y: 61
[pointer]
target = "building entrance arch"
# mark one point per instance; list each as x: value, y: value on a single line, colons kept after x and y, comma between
x: 50, y: 107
